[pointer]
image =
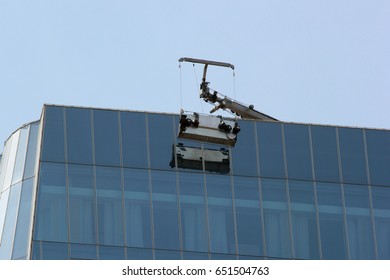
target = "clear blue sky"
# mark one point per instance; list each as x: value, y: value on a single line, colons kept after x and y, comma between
x: 325, y: 62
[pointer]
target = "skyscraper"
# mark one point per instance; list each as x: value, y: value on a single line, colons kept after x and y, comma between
x: 87, y: 183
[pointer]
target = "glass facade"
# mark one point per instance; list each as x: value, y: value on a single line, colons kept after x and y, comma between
x: 103, y: 184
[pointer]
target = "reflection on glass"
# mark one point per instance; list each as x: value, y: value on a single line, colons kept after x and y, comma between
x: 54, y: 251
x: 10, y: 222
x: 79, y: 135
x: 276, y: 221
x: 244, y: 152
x: 106, y: 134
x: 220, y: 211
x: 23, y: 226
x: 82, y: 204
x: 21, y: 155
x: 29, y: 168
x: 269, y: 135
x: 160, y: 140
x: 53, y: 135
x: 139, y: 254
x: 109, y: 206
x: 303, y: 218
x: 326, y: 164
x: 249, y: 222
x: 137, y: 208
x: 353, y: 160
x: 167, y: 255
x: 165, y: 210
x: 51, y: 221
x: 298, y: 151
x: 378, y: 150
x: 360, y: 232
x: 134, y: 150
x: 380, y: 200
x: 193, y: 212
x: 331, y: 221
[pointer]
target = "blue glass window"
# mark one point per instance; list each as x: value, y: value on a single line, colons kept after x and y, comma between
x: 36, y: 250
x: 298, y: 151
x: 220, y: 211
x: 270, y: 149
x: 79, y: 135
x: 165, y: 210
x: 82, y: 204
x: 332, y: 226
x: 353, y: 160
x: 53, y: 135
x: 139, y: 254
x: 109, y: 206
x: 244, y: 152
x: 51, y: 222
x: 303, y: 218
x: 10, y: 222
x: 20, y: 156
x: 134, y: 142
x: 106, y: 134
x: 167, y: 255
x: 83, y: 252
x: 137, y: 208
x: 223, y: 257
x: 249, y: 221
x: 193, y: 212
x: 195, y: 256
x: 29, y: 168
x: 380, y: 200
x: 276, y: 218
x: 326, y: 164
x: 23, y: 225
x: 111, y: 253
x: 360, y: 231
x: 378, y: 150
x: 160, y: 140
x: 54, y: 251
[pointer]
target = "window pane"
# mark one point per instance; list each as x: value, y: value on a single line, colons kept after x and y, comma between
x: 220, y: 211
x: 195, y: 256
x: 326, y: 164
x: 10, y: 222
x: 139, y: 254
x: 193, y: 212
x: 331, y: 221
x: 249, y: 222
x: 23, y: 226
x: 83, y: 252
x: 304, y: 222
x: 111, y: 253
x: 270, y: 149
x: 167, y: 255
x: 165, y: 210
x: 106, y: 137
x: 133, y: 127
x: 51, y: 222
x: 82, y: 204
x: 109, y: 203
x: 29, y: 169
x: 160, y: 140
x: 244, y: 152
x: 21, y: 155
x: 54, y: 251
x: 360, y: 232
x: 380, y: 200
x: 223, y: 257
x: 79, y: 135
x: 276, y: 222
x: 353, y: 160
x: 53, y: 135
x: 298, y: 151
x: 378, y: 149
x: 9, y: 168
x: 137, y: 208
x: 3, y: 209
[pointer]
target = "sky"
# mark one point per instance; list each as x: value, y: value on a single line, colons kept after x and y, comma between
x: 307, y: 61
